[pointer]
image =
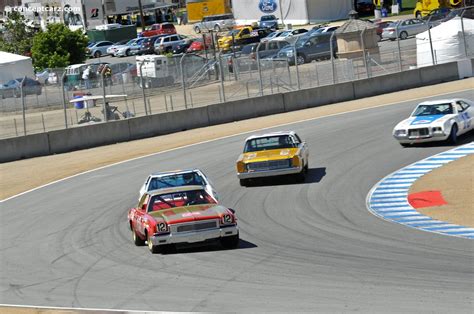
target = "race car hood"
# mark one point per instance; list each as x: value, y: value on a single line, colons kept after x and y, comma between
x: 423, y: 121
x: 189, y: 213
x: 273, y: 154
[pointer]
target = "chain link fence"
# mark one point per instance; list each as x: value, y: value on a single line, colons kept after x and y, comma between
x: 156, y: 84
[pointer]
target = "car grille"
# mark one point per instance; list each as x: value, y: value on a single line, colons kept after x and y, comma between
x: 195, y: 226
x: 418, y: 132
x: 269, y: 165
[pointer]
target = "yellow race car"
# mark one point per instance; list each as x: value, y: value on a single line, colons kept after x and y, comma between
x: 273, y: 154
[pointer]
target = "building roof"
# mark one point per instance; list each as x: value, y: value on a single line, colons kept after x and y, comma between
x: 6, y: 57
x: 354, y: 26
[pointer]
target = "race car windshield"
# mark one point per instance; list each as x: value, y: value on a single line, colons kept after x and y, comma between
x: 429, y: 110
x: 268, y: 143
x: 180, y: 179
x: 180, y: 199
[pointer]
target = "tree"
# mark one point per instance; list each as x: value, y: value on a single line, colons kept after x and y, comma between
x: 58, y: 47
x: 16, y: 37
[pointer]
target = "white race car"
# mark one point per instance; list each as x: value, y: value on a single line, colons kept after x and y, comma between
x: 436, y: 120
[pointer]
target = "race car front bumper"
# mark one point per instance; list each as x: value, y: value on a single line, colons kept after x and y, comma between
x: 195, y: 236
x: 269, y: 173
x: 430, y: 137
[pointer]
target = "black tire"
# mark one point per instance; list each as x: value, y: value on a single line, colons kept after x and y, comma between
x: 231, y: 242
x: 244, y: 182
x: 453, y: 135
x: 197, y: 30
x: 403, y: 35
x: 405, y: 145
x: 97, y: 54
x: 136, y: 239
x: 217, y: 28
x: 127, y: 52
x: 301, y: 177
x: 301, y: 59
x: 418, y: 15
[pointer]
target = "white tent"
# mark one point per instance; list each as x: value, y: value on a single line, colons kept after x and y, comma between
x: 296, y: 12
x: 14, y: 66
x: 447, y: 41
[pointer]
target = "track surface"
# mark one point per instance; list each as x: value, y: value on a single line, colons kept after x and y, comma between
x: 304, y: 247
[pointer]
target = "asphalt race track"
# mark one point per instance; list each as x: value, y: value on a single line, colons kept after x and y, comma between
x: 304, y: 247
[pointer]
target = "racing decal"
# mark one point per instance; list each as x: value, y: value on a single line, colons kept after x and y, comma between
x: 426, y: 119
x: 389, y: 198
x: 467, y: 121
x: 426, y: 199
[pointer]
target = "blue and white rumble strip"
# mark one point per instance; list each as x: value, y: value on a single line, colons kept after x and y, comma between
x: 388, y: 199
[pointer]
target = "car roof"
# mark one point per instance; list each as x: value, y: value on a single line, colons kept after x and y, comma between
x: 175, y: 189
x: 440, y: 101
x: 278, y: 133
x: 171, y: 172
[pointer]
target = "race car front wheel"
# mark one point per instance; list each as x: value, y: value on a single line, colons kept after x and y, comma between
x: 453, y: 136
x: 230, y: 242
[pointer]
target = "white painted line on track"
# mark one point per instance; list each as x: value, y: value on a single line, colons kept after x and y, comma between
x: 233, y: 135
x: 402, y: 212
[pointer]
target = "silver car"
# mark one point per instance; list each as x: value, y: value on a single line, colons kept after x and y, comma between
x: 404, y: 28
x: 165, y: 44
x: 216, y: 23
x: 99, y: 49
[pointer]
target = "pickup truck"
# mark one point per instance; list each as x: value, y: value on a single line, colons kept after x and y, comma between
x: 240, y: 37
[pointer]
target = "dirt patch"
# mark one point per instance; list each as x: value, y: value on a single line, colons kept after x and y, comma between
x: 43, y: 170
x: 456, y: 183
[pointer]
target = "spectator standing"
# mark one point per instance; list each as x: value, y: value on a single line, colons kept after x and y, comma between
x: 86, y: 77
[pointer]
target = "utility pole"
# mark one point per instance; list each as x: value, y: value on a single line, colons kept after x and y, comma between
x: 142, y: 18
x: 281, y: 13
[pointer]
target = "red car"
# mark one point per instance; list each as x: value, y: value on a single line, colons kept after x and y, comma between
x: 198, y: 45
x: 185, y: 214
x: 159, y: 29
x: 380, y: 26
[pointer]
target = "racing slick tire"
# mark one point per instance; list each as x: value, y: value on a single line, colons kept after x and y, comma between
x: 405, y: 144
x: 163, y: 249
x: 453, y: 135
x: 244, y: 182
x: 231, y: 242
x: 137, y: 240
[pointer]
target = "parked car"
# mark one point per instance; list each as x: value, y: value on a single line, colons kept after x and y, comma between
x: 271, y: 36
x: 164, y: 44
x: 185, y: 214
x: 268, y: 21
x: 148, y: 44
x: 159, y: 29
x: 404, y: 29
x: 309, y: 48
x: 272, y: 154
x: 365, y: 7
x: 111, y: 50
x: 323, y: 29
x: 381, y: 25
x: 98, y: 49
x: 215, y: 22
x: 12, y: 88
x: 198, y: 45
x: 437, y: 16
x: 291, y: 35
x: 267, y: 49
x: 181, y: 47
x: 132, y: 47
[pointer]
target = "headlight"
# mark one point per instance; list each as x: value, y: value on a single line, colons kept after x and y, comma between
x: 296, y: 161
x: 227, y: 219
x: 241, y: 166
x: 400, y: 132
x: 162, y: 227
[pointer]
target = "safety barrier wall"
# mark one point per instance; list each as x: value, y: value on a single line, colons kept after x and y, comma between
x: 135, y: 128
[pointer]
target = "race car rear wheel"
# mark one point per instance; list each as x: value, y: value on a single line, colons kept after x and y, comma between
x: 244, y: 182
x: 137, y: 240
x: 453, y: 136
x: 230, y: 242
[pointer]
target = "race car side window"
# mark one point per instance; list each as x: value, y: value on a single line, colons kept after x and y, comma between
x: 463, y: 105
x: 459, y: 107
x: 298, y: 138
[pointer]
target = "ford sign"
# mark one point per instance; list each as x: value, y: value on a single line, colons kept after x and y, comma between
x: 267, y: 6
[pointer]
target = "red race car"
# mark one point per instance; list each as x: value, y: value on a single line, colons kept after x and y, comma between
x: 159, y: 29
x: 185, y: 214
